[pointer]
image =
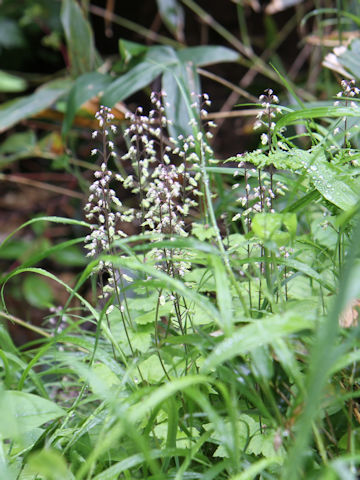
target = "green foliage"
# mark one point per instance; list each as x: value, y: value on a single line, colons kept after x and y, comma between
x: 221, y: 339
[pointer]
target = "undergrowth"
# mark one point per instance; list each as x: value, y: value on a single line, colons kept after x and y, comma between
x: 215, y: 345
x: 212, y: 333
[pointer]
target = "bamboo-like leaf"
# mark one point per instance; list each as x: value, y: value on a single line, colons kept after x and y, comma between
x: 79, y: 38
x: 85, y: 87
x: 14, y: 111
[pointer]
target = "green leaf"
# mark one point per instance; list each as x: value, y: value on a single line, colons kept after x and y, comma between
x: 299, y: 116
x: 172, y: 15
x: 85, y: 87
x: 70, y: 256
x: 203, y: 232
x: 11, y: 35
x: 256, y: 468
x: 152, y: 370
x: 326, y: 177
x: 103, y: 379
x: 18, y: 142
x: 150, y: 317
x: 11, y: 83
x: 129, y: 50
x: 21, y: 411
x: 223, y: 294
x: 129, y: 462
x: 37, y: 292
x: 79, y: 38
x: 261, y: 332
x: 207, y: 55
x: 139, y: 76
x: 262, y: 364
x: 24, y: 107
x: 350, y: 58
x: 49, y: 464
x: 265, y: 225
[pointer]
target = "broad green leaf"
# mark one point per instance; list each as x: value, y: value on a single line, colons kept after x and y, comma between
x: 260, y: 332
x: 79, y: 38
x: 24, y: 107
x: 85, y: 87
x: 49, y: 464
x: 152, y: 370
x: 11, y: 83
x: 203, y: 232
x: 268, y: 226
x: 129, y: 83
x: 140, y: 337
x: 103, y: 379
x: 28, y: 439
x: 37, y: 292
x: 265, y: 225
x: 172, y: 15
x: 68, y: 254
x: 21, y: 411
x: 290, y: 222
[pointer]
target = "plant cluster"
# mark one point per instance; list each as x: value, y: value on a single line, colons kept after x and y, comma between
x: 211, y: 328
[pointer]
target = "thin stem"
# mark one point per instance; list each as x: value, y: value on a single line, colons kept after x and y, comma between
x: 214, y: 224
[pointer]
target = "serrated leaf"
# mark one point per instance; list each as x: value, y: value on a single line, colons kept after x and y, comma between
x: 203, y: 232
x: 262, y: 443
